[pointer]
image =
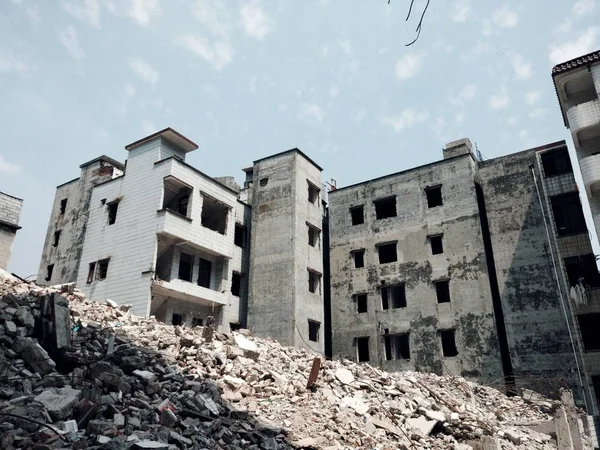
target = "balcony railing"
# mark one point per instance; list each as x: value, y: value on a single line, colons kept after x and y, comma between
x: 583, y: 116
x: 590, y: 172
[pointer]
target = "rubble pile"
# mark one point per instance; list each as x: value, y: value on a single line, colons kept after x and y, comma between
x: 81, y: 374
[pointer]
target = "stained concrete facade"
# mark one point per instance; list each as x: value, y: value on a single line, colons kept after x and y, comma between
x: 10, y: 213
x: 286, y: 260
x: 63, y: 244
x: 469, y: 287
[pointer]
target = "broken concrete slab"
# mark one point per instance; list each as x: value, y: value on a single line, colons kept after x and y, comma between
x: 344, y: 376
x: 59, y: 402
x: 421, y: 425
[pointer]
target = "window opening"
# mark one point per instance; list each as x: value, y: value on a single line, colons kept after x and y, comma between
x: 361, y: 303
x: 437, y: 246
x: 556, y: 162
x: 397, y: 346
x: 264, y: 182
x: 91, y: 272
x: 358, y: 215
x: 56, y: 238
x: 49, y: 271
x: 197, y: 322
x: 387, y: 253
x: 177, y: 319
x: 385, y: 207
x: 582, y: 267
x: 102, y: 269
x: 313, y: 330
x: 240, y: 232
x: 204, y: 271
x: 442, y: 291
x: 596, y: 385
x: 359, y: 258
x: 214, y: 214
x: 112, y: 212
x: 314, y: 282
x: 63, y: 206
x: 568, y: 214
x: 176, y: 195
x: 588, y: 325
x: 393, y: 297
x: 313, y: 236
x: 362, y: 349
x: 313, y: 193
x: 235, y: 326
x: 448, y: 343
x: 434, y: 196
x: 236, y: 283
x: 186, y: 267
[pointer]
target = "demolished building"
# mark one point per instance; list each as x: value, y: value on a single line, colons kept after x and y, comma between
x: 10, y: 213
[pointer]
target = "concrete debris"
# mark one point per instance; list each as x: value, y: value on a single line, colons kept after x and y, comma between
x: 117, y: 381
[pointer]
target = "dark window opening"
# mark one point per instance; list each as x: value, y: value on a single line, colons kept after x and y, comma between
x: 385, y: 208
x: 313, y: 330
x: 102, y: 269
x: 361, y: 303
x: 359, y: 258
x: 596, y: 386
x: 358, y: 215
x: 397, y: 346
x: 313, y: 193
x: 112, y: 212
x: 214, y: 214
x: 437, y: 246
x: 63, y: 206
x: 582, y: 267
x: 362, y: 349
x: 313, y: 236
x: 186, y: 267
x: 314, y: 282
x: 588, y: 325
x: 568, y: 214
x: 240, y: 232
x: 442, y: 291
x: 56, y: 238
x: 434, y: 196
x: 91, y: 272
x: 393, y: 297
x: 204, y: 270
x: 263, y: 182
x: 176, y: 196
x: 387, y: 253
x: 236, y: 283
x: 556, y: 162
x: 448, y: 343
x: 177, y: 319
x: 235, y: 326
x: 49, y: 271
x: 197, y: 322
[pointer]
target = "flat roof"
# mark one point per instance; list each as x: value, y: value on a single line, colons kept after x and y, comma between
x: 11, y: 196
x: 108, y: 159
x: 296, y: 150
x: 170, y: 135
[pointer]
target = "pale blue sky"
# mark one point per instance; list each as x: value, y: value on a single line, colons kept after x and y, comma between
x: 245, y: 79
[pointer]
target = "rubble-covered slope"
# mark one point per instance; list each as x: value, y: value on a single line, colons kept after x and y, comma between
x: 108, y: 379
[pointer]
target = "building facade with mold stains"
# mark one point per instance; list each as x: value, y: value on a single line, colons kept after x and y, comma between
x: 449, y: 268
x: 10, y: 213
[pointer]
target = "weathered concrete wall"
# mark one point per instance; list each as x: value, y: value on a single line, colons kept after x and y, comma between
x: 280, y: 304
x: 463, y: 262
x: 10, y: 213
x: 538, y: 338
x: 72, y: 224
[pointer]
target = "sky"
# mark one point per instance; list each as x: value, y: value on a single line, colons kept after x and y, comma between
x: 246, y: 79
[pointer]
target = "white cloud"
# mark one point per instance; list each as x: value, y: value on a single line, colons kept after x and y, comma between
x: 460, y: 116
x: 466, y: 94
x: 141, y: 11
x: 254, y: 20
x: 538, y: 113
x: 439, y: 126
x: 11, y: 63
x: 521, y: 67
x: 310, y: 110
x: 213, y: 15
x: 505, y: 17
x: 218, y: 54
x: 583, y: 7
x: 33, y: 14
x: 346, y: 46
x: 144, y: 70
x: 334, y: 91
x: 148, y: 127
x: 408, y: 118
x: 586, y: 42
x: 409, y: 65
x: 523, y: 134
x: 8, y: 167
x: 86, y: 10
x: 532, y: 97
x: 461, y: 10
x: 499, y: 100
x: 68, y: 38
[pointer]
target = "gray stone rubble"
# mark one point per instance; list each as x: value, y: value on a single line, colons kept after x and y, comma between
x: 106, y: 379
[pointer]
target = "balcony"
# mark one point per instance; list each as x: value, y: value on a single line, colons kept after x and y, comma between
x: 190, y: 292
x: 182, y: 229
x: 590, y: 172
x: 581, y: 117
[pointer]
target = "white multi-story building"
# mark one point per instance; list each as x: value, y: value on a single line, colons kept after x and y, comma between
x: 577, y: 85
